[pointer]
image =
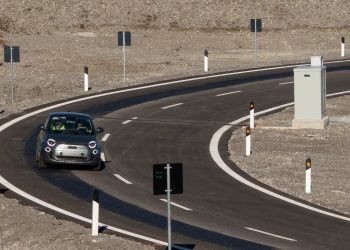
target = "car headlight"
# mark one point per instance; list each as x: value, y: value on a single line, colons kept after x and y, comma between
x: 51, y: 142
x: 92, y: 144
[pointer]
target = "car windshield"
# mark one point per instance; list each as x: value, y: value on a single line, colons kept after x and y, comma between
x: 70, y: 124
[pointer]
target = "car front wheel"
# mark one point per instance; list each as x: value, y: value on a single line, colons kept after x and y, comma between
x: 42, y: 164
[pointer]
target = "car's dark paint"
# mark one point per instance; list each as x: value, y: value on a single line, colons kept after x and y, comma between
x: 68, y: 141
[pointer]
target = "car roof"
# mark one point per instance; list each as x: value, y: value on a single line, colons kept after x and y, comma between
x: 76, y: 114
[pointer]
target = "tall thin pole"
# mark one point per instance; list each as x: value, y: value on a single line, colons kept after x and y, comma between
x: 256, y: 57
x: 124, y: 55
x: 169, y: 205
x: 11, y: 74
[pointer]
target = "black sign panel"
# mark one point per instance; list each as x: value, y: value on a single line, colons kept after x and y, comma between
x: 7, y: 54
x: 160, y: 179
x: 127, y: 38
x: 258, y: 26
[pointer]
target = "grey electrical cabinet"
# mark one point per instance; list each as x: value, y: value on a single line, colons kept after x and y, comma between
x: 310, y: 96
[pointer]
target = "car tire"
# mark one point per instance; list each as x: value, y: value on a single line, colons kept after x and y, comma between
x: 42, y: 164
x: 98, y: 167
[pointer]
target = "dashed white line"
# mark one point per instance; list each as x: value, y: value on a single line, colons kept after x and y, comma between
x: 135, y: 118
x: 285, y: 83
x: 126, y: 122
x: 270, y: 234
x: 177, y: 205
x: 105, y: 137
x: 174, y: 105
x: 122, y: 179
x: 229, y: 93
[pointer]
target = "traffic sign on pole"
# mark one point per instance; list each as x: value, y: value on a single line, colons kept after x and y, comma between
x: 124, y: 39
x: 160, y: 179
x: 11, y: 55
x: 127, y: 37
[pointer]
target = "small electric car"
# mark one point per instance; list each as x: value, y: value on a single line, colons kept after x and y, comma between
x: 68, y: 138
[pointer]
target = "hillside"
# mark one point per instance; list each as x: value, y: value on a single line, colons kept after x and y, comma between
x: 33, y: 16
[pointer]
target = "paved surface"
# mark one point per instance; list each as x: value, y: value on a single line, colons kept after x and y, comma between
x: 223, y: 209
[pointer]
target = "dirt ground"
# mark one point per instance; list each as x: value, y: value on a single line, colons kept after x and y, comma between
x: 279, y: 155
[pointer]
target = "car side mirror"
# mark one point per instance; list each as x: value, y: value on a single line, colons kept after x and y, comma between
x: 41, y: 127
x: 99, y: 130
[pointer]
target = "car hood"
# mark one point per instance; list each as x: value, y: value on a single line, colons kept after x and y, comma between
x: 71, y: 138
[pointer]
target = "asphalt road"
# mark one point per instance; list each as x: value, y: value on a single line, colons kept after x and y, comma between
x: 175, y: 123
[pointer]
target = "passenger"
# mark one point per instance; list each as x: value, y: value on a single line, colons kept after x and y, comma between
x: 58, y: 126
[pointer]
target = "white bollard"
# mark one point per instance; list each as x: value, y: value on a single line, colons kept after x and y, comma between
x: 206, y: 69
x: 95, y: 211
x: 86, y: 79
x: 342, y: 47
x: 251, y: 107
x: 248, y: 149
x: 308, y: 176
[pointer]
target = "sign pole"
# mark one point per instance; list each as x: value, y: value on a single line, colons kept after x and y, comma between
x: 169, y: 205
x: 11, y: 74
x: 124, y: 55
x: 256, y: 56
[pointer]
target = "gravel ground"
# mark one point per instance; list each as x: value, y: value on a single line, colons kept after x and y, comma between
x: 279, y: 155
x: 23, y: 227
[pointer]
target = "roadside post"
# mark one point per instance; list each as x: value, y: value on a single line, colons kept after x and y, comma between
x: 255, y: 26
x: 251, y: 108
x: 86, y: 79
x: 206, y: 61
x: 11, y: 55
x: 342, y: 53
x: 308, y: 176
x: 124, y: 39
x: 95, y: 211
x: 168, y: 179
x: 248, y: 149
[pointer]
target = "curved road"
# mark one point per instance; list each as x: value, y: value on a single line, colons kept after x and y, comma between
x: 175, y: 123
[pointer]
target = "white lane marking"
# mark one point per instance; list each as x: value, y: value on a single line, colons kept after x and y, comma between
x: 122, y: 179
x: 105, y: 137
x: 177, y: 205
x: 103, y: 157
x: 229, y: 93
x: 73, y: 215
x: 285, y: 83
x: 135, y: 118
x: 126, y: 122
x: 270, y: 234
x: 174, y: 105
x: 214, y: 152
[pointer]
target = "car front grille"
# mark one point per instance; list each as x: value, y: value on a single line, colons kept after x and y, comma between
x: 67, y: 151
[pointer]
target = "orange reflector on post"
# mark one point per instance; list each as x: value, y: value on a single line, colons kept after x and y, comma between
x: 251, y: 105
x: 247, y: 131
x: 308, y: 163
